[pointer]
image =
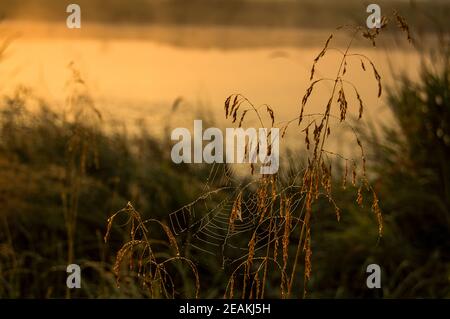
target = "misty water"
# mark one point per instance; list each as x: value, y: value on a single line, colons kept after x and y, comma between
x: 138, y: 74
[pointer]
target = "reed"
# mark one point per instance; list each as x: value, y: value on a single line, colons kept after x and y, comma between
x: 283, y: 211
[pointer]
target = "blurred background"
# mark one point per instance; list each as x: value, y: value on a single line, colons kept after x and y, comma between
x: 85, y: 125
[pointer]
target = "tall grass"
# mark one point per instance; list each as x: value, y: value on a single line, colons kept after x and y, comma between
x: 61, y: 175
x: 281, y: 210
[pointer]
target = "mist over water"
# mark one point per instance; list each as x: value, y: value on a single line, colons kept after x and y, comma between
x: 136, y: 74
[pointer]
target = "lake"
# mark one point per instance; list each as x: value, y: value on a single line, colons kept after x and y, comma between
x: 137, y: 73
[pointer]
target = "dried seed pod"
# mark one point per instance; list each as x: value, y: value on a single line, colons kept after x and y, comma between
x: 242, y: 118
x: 343, y: 105
x: 359, y: 198
x: 363, y: 66
x: 287, y: 233
x: 321, y: 54
x: 308, y: 93
x: 227, y: 106
x: 283, y: 133
x: 377, y: 211
x: 308, y: 254
x: 377, y: 77
x: 403, y: 25
x: 236, y: 211
x: 272, y: 116
x: 354, y: 174
x: 307, y: 138
x: 361, y: 106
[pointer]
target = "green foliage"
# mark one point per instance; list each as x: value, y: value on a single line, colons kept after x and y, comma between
x: 34, y: 184
x: 410, y: 167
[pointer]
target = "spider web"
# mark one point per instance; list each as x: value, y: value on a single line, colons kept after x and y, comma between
x: 212, y: 233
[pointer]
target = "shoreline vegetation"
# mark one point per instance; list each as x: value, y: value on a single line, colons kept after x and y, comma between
x: 194, y: 36
x: 225, y: 24
x: 245, y: 13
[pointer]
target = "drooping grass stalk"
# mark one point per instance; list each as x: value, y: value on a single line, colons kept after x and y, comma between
x: 279, y: 207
